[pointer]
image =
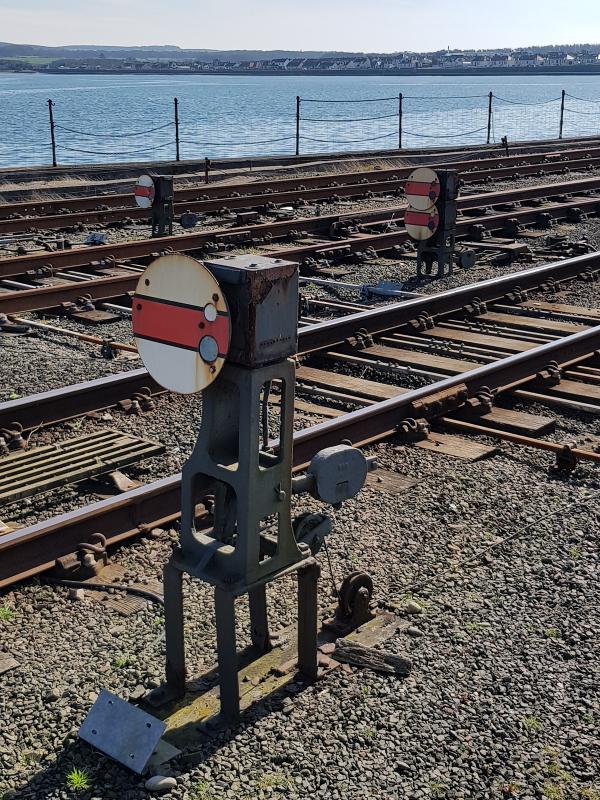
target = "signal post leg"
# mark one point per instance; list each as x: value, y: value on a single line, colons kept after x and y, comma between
x: 175, y: 646
x: 259, y: 623
x: 308, y: 577
x: 227, y: 655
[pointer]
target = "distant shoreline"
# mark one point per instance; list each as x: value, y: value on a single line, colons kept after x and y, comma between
x: 496, y: 71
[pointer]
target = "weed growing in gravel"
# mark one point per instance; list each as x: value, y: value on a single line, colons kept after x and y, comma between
x: 78, y: 779
x: 437, y: 789
x: 6, y: 613
x: 366, y: 690
x: 272, y: 780
x: 552, y: 633
x: 532, y: 723
x: 477, y: 626
x: 589, y: 793
x: 368, y: 733
x: 575, y: 552
x: 203, y: 791
x: 122, y: 661
x: 553, y: 792
x: 556, y: 771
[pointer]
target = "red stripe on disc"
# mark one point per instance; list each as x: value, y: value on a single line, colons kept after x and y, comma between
x: 177, y: 325
x: 421, y: 189
x: 144, y: 191
x: 422, y: 218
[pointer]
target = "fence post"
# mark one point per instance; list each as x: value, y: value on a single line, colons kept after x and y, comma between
x: 400, y: 110
x: 489, y: 125
x: 176, y: 104
x: 297, y: 125
x: 562, y: 114
x: 52, y: 134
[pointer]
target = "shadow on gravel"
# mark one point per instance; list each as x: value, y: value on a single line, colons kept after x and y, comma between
x: 110, y: 781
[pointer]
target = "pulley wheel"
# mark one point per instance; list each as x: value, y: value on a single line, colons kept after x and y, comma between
x: 350, y: 587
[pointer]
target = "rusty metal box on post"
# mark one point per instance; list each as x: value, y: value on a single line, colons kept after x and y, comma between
x: 262, y: 295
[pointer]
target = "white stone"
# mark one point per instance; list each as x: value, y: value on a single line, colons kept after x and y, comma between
x: 160, y: 783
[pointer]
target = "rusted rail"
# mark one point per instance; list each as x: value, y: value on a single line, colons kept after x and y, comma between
x: 60, y: 404
x: 103, y: 288
x: 60, y: 214
x: 31, y: 550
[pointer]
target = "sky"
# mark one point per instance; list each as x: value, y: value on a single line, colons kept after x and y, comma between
x: 350, y: 25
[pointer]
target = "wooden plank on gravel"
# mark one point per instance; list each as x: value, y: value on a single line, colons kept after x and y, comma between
x: 357, y: 386
x: 505, y: 419
x: 561, y: 308
x: 572, y: 390
x: 386, y: 481
x: 310, y: 408
x: 411, y: 358
x: 482, y: 339
x: 456, y: 446
x: 369, y: 658
x: 503, y: 247
x: 531, y: 323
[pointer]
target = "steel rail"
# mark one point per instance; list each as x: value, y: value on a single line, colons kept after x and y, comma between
x: 59, y: 404
x: 60, y: 214
x: 36, y: 299
x: 83, y: 256
x: 29, y: 551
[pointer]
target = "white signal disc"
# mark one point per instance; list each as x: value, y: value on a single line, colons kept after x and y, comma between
x: 144, y: 191
x: 181, y: 323
x: 421, y: 225
x: 422, y: 189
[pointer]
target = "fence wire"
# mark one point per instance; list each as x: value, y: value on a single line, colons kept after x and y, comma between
x: 582, y: 116
x: 524, y: 121
x: 323, y: 125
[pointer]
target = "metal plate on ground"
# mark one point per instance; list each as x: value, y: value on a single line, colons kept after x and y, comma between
x: 386, y: 481
x: 95, y: 317
x: 457, y: 447
x: 422, y: 188
x: 421, y: 225
x: 7, y: 662
x: 121, y: 731
x: 28, y: 472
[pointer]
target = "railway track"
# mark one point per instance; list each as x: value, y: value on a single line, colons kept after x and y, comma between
x: 210, y: 199
x: 107, y: 271
x: 474, y: 342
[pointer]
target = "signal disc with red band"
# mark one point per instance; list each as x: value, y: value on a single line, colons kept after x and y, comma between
x: 421, y: 225
x: 144, y: 191
x: 422, y: 189
x: 181, y: 323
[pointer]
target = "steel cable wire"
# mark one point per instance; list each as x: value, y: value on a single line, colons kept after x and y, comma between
x: 114, y: 135
x: 114, y: 152
x: 521, y: 103
x: 352, y: 119
x: 583, y: 99
x: 235, y: 144
x: 363, y: 100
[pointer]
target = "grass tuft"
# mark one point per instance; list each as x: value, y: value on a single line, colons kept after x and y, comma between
x: 532, y: 723
x: 78, y: 779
